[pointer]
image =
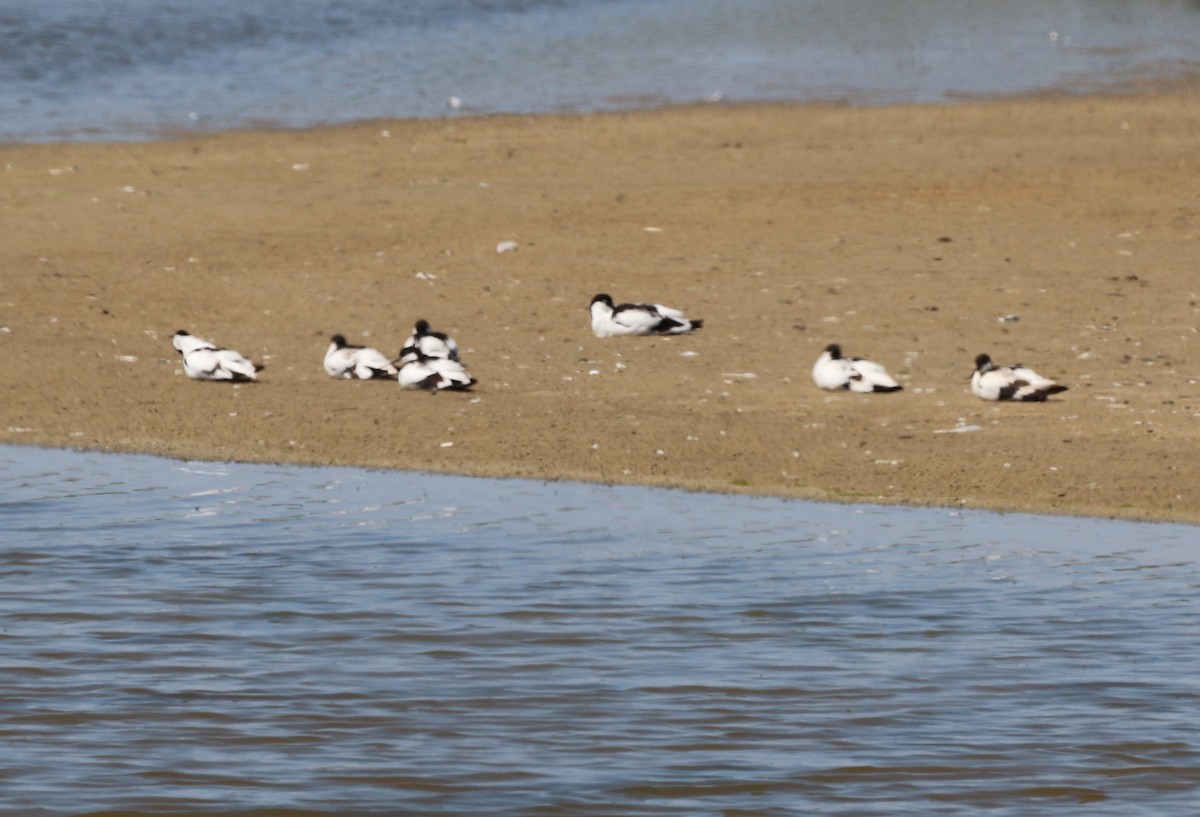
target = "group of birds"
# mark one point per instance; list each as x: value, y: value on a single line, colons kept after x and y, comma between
x: 832, y: 370
x: 429, y: 360
x: 989, y: 381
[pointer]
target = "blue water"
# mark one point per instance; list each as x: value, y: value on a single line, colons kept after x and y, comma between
x: 141, y: 68
x: 205, y: 637
x: 199, y: 637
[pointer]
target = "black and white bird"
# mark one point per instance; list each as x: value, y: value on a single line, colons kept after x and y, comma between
x: 205, y: 361
x: 637, y: 319
x: 1017, y: 382
x: 832, y: 371
x: 434, y: 374
x: 429, y: 360
x: 425, y: 342
x: 347, y: 362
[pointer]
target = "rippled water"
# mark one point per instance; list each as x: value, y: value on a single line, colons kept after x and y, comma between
x: 213, y: 637
x: 137, y: 68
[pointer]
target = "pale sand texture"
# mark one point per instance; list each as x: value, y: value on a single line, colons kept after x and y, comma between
x: 904, y: 233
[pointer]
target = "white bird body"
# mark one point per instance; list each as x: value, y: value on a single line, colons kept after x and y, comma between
x: 1018, y: 383
x: 205, y: 361
x: 347, y: 362
x: 429, y: 360
x: 435, y: 374
x: 637, y: 319
x: 424, y: 342
x: 832, y: 371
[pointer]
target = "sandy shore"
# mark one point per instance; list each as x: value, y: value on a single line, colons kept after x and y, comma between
x: 904, y: 233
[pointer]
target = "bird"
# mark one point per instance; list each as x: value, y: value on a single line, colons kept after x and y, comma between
x: 348, y: 362
x: 435, y: 374
x: 1017, y: 382
x: 205, y: 361
x: 832, y: 371
x: 429, y: 360
x: 424, y: 341
x: 637, y: 319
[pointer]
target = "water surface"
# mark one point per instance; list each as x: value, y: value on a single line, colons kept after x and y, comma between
x: 211, y: 637
x: 140, y: 68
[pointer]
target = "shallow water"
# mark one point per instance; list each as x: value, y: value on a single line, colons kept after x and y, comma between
x: 139, y: 68
x: 197, y: 636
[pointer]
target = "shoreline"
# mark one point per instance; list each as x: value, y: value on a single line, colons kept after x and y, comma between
x: 669, y: 485
x: 902, y: 232
x: 1150, y: 85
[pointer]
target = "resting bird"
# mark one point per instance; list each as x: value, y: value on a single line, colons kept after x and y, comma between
x: 992, y: 382
x: 435, y: 374
x: 424, y: 341
x: 429, y: 360
x: 204, y: 361
x: 832, y: 371
x: 348, y: 362
x: 637, y: 319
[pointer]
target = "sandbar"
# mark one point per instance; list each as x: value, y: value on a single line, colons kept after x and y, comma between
x: 1056, y: 231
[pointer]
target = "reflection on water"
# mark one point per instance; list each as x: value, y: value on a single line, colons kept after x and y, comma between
x: 196, y: 636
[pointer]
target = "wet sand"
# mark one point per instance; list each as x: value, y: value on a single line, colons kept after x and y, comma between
x: 904, y: 233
